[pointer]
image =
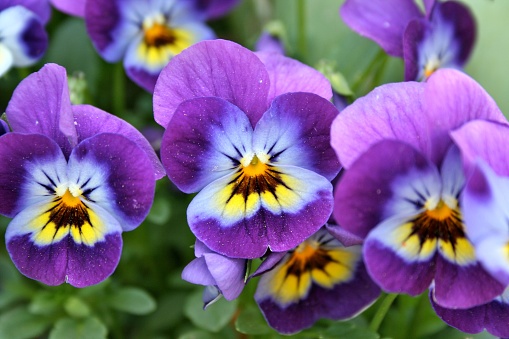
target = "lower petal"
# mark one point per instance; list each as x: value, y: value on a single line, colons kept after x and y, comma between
x: 245, y: 224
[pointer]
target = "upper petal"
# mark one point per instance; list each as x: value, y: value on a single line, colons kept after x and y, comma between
x: 392, y: 111
x: 90, y: 121
x: 383, y: 21
x: 217, y: 68
x: 214, y: 8
x: 72, y: 7
x: 288, y: 75
x: 41, y: 104
x: 295, y: 131
x: 38, y: 7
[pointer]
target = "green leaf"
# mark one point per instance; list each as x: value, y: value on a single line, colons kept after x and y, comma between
x: 341, y: 329
x: 215, y: 317
x: 160, y: 212
x: 76, y: 308
x: 90, y: 328
x: 251, y: 321
x: 19, y: 323
x: 44, y: 302
x: 132, y: 300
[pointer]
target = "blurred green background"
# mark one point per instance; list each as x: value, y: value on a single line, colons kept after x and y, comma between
x: 145, y: 297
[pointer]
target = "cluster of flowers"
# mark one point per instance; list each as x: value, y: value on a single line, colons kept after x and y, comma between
x: 419, y: 204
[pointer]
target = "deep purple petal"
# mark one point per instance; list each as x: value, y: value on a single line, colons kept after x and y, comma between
x: 484, y: 140
x: 217, y: 68
x: 295, y: 131
x: 463, y: 286
x: 90, y: 121
x: 382, y: 21
x: 272, y: 260
x: 394, y: 274
x: 415, y: 33
x: 4, y: 128
x: 470, y: 320
x: 21, y: 155
x: 452, y: 98
x: 497, y: 313
x: 359, y: 208
x: 72, y: 7
x: 392, y: 111
x: 288, y: 75
x: 204, y: 141
x: 41, y: 104
x: 116, y: 174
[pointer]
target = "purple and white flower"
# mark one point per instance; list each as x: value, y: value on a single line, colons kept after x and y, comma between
x: 260, y: 159
x: 74, y: 179
x: 402, y: 185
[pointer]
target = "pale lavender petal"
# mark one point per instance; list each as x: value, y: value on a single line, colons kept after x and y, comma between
x: 288, y: 75
x: 392, y: 111
x: 39, y: 7
x: 228, y: 274
x: 345, y: 237
x: 72, y: 7
x: 197, y: 272
x: 382, y: 21
x: 217, y: 68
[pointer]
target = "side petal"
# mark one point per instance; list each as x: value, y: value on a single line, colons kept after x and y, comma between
x: 41, y: 104
x: 113, y: 172
x: 288, y: 75
x: 217, y: 68
x: 391, y: 111
x: 486, y: 214
x: 197, y: 272
x: 295, y: 131
x: 90, y: 121
x: 382, y: 21
x: 394, y: 178
x: 205, y: 140
x: 245, y: 224
x: 228, y: 273
x: 56, y: 253
x: 33, y: 165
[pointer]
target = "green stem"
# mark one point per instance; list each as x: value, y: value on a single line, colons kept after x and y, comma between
x: 118, y: 89
x: 372, y: 67
x: 381, y: 312
x: 301, y: 28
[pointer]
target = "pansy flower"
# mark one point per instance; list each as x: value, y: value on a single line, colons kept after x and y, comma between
x: 23, y: 39
x: 260, y: 160
x: 491, y: 316
x: 443, y: 37
x: 74, y: 178
x: 485, y: 197
x: 221, y: 275
x: 322, y: 277
x: 147, y: 34
x: 396, y: 143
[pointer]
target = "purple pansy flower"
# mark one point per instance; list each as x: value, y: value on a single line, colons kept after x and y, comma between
x: 491, y: 316
x: 260, y: 159
x: 221, y: 275
x: 396, y: 143
x: 147, y: 34
x: 75, y: 178
x: 486, y: 159
x: 23, y: 39
x: 444, y: 37
x: 322, y: 277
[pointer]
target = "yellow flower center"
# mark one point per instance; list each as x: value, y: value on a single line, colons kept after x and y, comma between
x: 159, y: 35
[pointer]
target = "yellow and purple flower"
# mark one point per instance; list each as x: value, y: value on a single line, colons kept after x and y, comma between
x: 147, y: 34
x: 258, y: 155
x: 322, y: 277
x: 443, y: 37
x: 402, y: 185
x: 74, y: 178
x: 23, y: 39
